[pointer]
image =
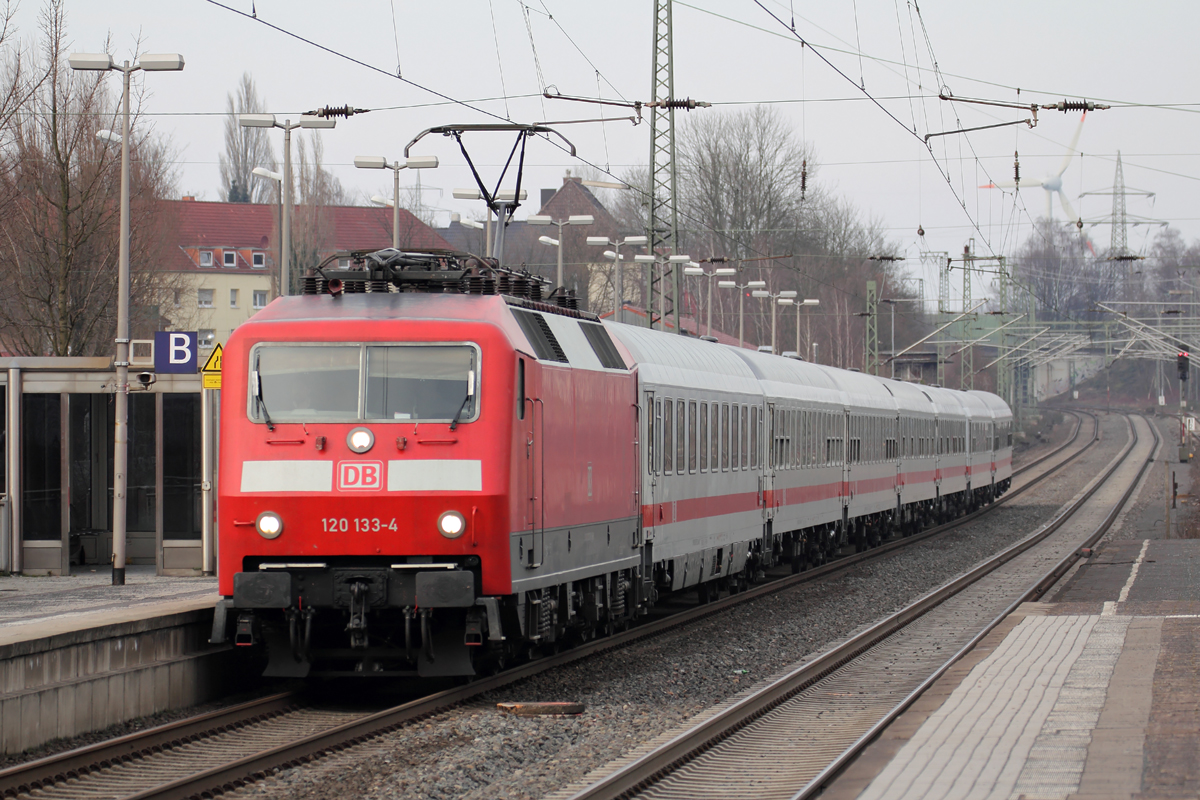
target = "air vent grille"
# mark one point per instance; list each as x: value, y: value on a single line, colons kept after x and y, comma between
x: 606, y: 351
x: 541, y: 338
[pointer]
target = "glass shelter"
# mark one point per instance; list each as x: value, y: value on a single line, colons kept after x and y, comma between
x: 57, y: 470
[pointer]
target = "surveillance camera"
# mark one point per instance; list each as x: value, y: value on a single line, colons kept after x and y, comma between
x: 146, y: 378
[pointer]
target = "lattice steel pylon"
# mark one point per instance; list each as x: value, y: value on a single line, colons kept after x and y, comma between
x: 966, y: 361
x: 871, y: 340
x: 662, y: 224
x: 941, y: 262
x: 1004, y: 376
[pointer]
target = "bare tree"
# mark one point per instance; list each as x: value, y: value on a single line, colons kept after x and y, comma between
x: 316, y: 190
x: 60, y: 232
x: 245, y: 149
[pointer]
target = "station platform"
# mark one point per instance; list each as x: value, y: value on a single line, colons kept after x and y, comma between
x: 78, y: 654
x: 1091, y: 695
x: 37, y: 607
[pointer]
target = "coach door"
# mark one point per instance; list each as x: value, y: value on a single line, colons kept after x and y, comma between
x: 651, y: 424
x: 767, y: 446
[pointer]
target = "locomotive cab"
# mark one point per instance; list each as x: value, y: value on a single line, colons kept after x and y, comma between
x: 364, y: 449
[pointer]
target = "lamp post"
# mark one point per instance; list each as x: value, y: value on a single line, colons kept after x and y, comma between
x: 504, y: 198
x: 379, y: 162
x: 103, y: 62
x: 741, y: 287
x: 788, y: 301
x: 574, y: 219
x: 616, y: 245
x: 719, y: 272
x: 285, y: 224
x: 650, y: 260
x: 787, y: 294
x: 892, y: 302
x: 271, y: 175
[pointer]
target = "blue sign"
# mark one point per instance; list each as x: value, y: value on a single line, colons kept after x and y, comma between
x: 175, y: 351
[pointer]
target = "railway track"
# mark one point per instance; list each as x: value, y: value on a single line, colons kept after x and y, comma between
x: 228, y: 748
x: 787, y: 738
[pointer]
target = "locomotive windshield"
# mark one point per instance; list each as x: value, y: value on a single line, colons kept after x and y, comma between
x: 314, y: 382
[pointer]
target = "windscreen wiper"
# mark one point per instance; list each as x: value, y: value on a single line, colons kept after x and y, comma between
x: 258, y: 396
x: 467, y: 399
x: 457, y: 414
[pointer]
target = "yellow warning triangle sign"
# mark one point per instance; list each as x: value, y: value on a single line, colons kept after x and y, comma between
x: 213, y: 365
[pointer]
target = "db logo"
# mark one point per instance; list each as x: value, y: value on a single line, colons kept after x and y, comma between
x: 360, y: 475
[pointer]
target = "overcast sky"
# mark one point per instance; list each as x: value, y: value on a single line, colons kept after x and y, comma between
x: 1138, y: 57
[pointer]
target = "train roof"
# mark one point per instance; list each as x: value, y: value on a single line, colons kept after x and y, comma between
x: 1000, y: 409
x: 909, y: 397
x: 944, y: 401
x: 974, y: 406
x: 683, y: 361
x: 567, y: 337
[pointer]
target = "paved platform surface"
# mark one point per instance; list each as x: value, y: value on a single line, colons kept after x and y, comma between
x: 1093, y: 694
x: 32, y: 608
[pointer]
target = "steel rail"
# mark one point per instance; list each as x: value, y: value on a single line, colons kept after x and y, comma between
x: 78, y: 763
x: 73, y: 763
x: 681, y: 749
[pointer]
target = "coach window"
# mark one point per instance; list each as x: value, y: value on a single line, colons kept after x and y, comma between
x: 692, y: 435
x: 735, y: 459
x: 745, y: 437
x: 725, y: 437
x: 715, y: 430
x: 704, y: 437
x: 668, y: 449
x: 680, y: 436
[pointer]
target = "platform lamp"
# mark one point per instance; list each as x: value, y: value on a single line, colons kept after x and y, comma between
x: 617, y: 258
x: 719, y: 272
x: 574, y: 219
x: 272, y: 175
x: 787, y: 294
x: 103, y: 62
x: 741, y: 287
x: 503, y: 197
x: 379, y: 162
x: 799, y: 304
x: 650, y: 260
x: 308, y: 121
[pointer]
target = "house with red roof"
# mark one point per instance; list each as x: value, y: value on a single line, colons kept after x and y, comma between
x: 229, y: 255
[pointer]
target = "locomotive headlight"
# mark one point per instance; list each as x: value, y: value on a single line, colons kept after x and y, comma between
x: 451, y: 524
x: 360, y: 440
x: 269, y: 525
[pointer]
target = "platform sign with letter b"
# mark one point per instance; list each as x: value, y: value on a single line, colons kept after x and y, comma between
x: 175, y: 352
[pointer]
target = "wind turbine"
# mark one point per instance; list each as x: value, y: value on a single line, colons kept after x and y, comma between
x: 1052, y: 183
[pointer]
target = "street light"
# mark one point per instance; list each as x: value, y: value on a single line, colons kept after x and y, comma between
x: 103, y: 62
x: 650, y: 260
x: 379, y: 162
x: 574, y: 219
x: 719, y: 272
x: 617, y: 244
x: 506, y: 196
x: 277, y: 177
x: 892, y: 302
x: 307, y: 121
x: 741, y: 287
x: 786, y: 301
x: 786, y: 294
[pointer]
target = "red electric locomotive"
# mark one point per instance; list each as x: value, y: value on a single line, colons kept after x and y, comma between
x: 389, y: 458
